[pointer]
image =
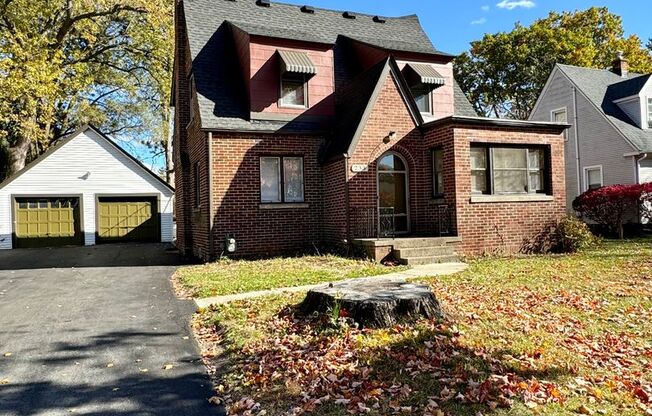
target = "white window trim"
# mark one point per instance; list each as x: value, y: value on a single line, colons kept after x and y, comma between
x: 306, y: 103
x: 648, y: 111
x: 585, y: 185
x: 557, y: 111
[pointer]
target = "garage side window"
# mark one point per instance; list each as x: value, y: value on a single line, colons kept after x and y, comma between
x: 197, y: 187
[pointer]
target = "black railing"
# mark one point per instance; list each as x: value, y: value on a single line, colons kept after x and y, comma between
x: 440, y: 222
x: 363, y: 222
x: 386, y: 223
x: 374, y: 222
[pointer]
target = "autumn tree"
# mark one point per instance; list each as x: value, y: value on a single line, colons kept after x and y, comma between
x: 64, y: 63
x: 503, y: 73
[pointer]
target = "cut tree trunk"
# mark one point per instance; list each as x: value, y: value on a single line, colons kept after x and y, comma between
x: 374, y: 303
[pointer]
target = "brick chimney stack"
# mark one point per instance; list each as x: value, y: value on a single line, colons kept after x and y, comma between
x: 620, y: 66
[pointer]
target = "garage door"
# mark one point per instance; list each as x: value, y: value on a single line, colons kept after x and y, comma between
x: 125, y: 219
x: 47, y: 222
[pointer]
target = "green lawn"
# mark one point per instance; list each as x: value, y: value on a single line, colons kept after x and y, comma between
x: 227, y: 277
x: 549, y: 335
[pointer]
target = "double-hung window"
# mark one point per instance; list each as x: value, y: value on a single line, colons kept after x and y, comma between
x: 438, y: 172
x: 649, y: 113
x: 503, y: 170
x: 281, y: 179
x: 593, y: 177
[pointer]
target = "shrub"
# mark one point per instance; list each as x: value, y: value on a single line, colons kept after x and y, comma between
x: 568, y: 235
x: 609, y: 205
x: 573, y: 235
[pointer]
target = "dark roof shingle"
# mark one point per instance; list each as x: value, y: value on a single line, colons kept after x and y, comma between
x: 281, y: 20
x: 602, y: 87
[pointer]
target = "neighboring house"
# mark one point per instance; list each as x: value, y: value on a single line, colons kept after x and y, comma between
x: 82, y: 191
x: 297, y: 126
x: 610, y: 141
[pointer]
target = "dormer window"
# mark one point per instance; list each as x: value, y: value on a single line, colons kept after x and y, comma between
x: 649, y: 113
x: 423, y: 79
x: 296, y: 68
x: 423, y: 97
x: 294, y: 90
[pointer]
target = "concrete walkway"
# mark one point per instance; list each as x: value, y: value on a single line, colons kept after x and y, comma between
x: 427, y: 270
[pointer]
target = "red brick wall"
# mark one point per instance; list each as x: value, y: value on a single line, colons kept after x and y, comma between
x: 181, y: 93
x: 265, y: 77
x: 236, y: 195
x: 334, y: 221
x: 491, y: 226
x: 390, y: 114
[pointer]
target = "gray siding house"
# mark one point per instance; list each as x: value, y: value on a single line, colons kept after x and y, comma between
x: 610, y: 112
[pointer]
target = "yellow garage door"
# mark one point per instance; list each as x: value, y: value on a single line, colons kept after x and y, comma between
x: 125, y: 219
x: 47, y: 222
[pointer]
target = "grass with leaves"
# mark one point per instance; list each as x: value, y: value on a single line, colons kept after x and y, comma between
x: 226, y: 277
x: 549, y: 335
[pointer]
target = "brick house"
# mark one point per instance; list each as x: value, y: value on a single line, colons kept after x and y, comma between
x: 297, y: 127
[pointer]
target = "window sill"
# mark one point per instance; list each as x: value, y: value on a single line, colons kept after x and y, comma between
x: 437, y: 200
x: 482, y: 199
x: 293, y: 205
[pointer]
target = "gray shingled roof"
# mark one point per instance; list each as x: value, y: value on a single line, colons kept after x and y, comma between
x: 602, y: 87
x: 463, y: 107
x: 204, y: 17
x: 220, y: 88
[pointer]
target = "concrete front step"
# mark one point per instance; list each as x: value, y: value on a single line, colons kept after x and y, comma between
x: 419, y: 242
x: 447, y: 250
x: 417, y: 261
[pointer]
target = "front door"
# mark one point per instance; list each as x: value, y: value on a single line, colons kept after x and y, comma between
x: 393, y: 212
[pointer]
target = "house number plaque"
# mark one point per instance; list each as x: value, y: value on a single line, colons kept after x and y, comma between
x: 357, y: 168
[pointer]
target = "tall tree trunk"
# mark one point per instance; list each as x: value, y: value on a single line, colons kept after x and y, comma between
x: 17, y: 155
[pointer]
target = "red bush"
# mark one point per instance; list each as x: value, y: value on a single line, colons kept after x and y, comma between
x: 609, y: 205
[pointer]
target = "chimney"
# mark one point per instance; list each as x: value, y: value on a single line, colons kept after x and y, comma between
x: 620, y: 66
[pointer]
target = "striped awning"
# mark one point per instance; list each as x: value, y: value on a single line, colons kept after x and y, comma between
x: 427, y: 74
x: 297, y: 62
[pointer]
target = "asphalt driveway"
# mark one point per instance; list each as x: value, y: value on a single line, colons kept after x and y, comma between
x: 88, y: 331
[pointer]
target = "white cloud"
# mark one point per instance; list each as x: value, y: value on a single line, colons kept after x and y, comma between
x: 513, y: 4
x: 485, y: 8
x: 480, y: 21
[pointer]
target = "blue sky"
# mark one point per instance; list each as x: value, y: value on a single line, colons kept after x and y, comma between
x: 451, y: 25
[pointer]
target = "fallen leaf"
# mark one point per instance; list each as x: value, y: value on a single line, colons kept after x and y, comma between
x: 143, y: 370
x: 109, y: 365
x: 584, y: 410
x: 4, y: 381
x: 168, y: 367
x: 216, y: 401
x: 8, y: 354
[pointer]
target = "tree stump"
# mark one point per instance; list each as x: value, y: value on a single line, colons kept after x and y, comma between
x: 375, y: 303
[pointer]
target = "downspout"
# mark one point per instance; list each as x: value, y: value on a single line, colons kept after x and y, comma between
x: 347, y: 199
x: 637, y: 166
x: 211, y: 242
x: 577, y: 142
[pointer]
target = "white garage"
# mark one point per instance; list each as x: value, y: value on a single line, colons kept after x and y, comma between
x: 85, y: 190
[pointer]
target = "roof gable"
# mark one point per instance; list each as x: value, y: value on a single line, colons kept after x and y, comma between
x: 359, y: 101
x: 90, y: 132
x: 601, y: 88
